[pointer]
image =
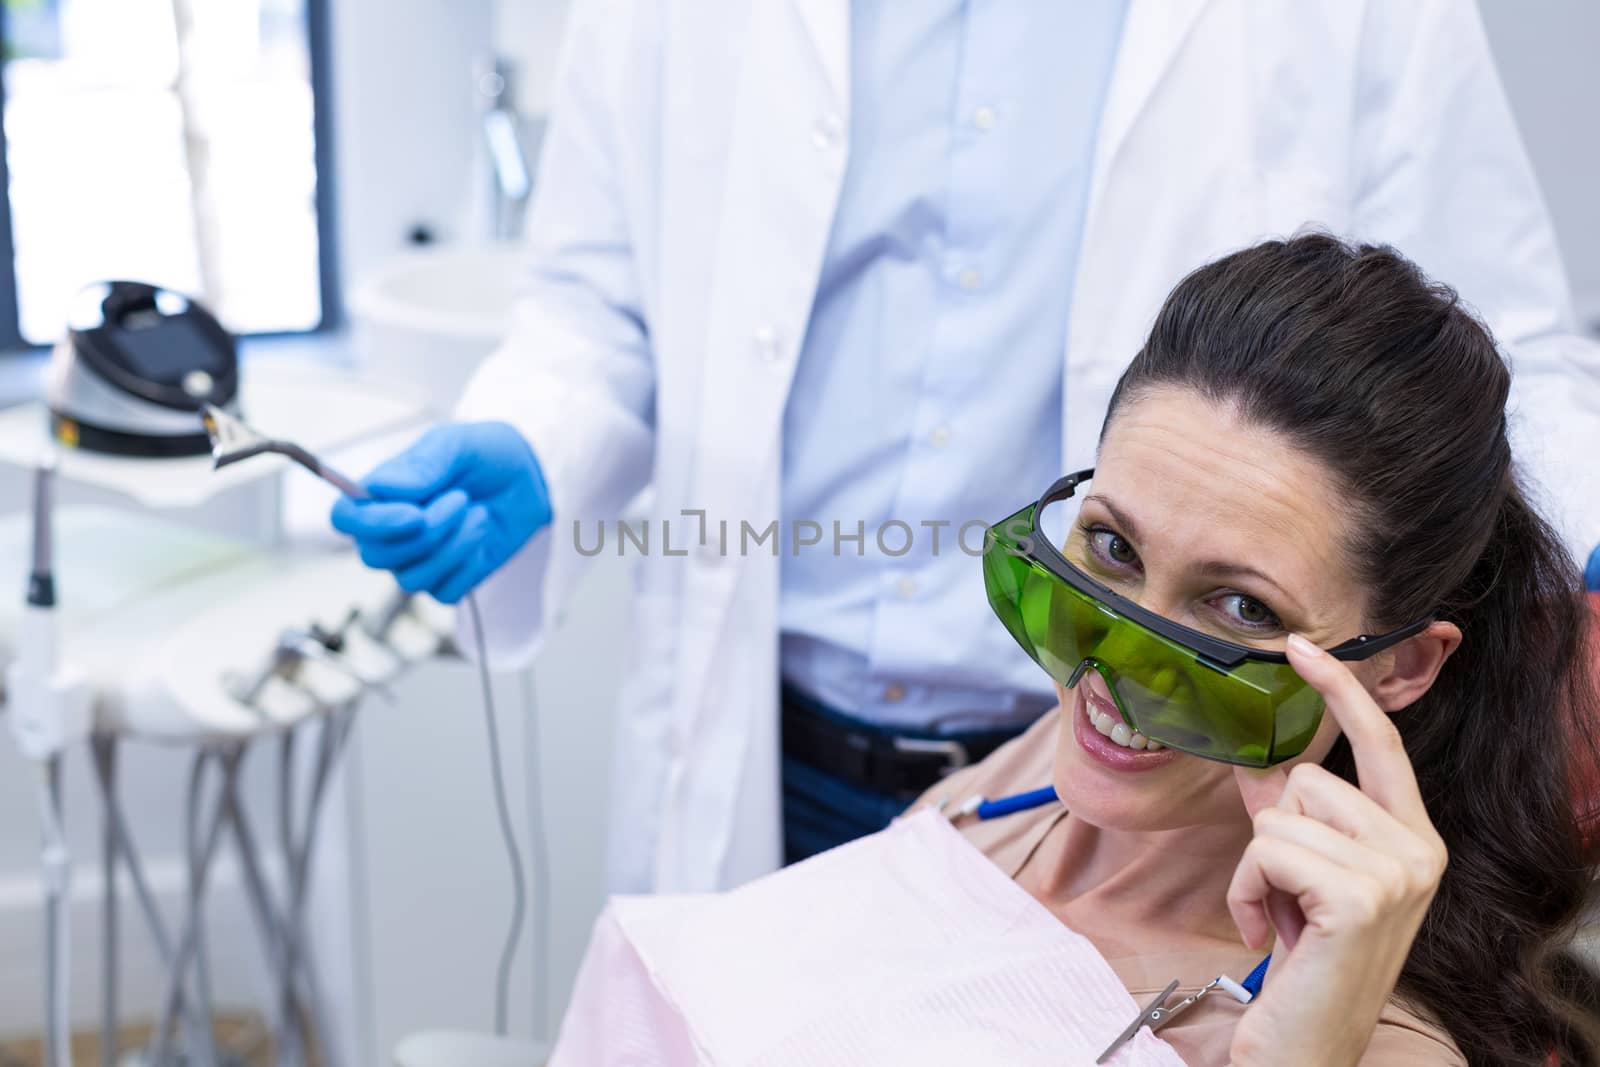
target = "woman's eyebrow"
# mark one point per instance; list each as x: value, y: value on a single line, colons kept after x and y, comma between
x: 1216, y: 568
x: 1220, y: 570
x: 1130, y: 529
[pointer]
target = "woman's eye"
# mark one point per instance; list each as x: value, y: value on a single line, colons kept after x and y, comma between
x: 1248, y: 611
x: 1113, y: 547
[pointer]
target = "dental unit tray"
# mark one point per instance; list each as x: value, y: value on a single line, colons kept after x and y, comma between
x: 159, y: 617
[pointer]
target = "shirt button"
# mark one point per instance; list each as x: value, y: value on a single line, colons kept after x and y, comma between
x: 969, y: 279
x: 894, y: 692
x: 827, y: 131
x: 939, y: 437
x: 765, y: 342
x: 906, y: 587
x: 983, y: 119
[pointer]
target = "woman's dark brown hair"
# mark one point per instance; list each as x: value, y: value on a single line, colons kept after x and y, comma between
x: 1352, y: 354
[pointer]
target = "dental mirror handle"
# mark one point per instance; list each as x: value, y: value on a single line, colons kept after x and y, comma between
x: 354, y: 490
x: 345, y: 484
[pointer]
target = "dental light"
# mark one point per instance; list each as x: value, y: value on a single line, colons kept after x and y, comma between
x: 136, y: 364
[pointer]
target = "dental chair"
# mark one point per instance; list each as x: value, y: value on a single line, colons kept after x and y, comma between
x: 446, y: 1048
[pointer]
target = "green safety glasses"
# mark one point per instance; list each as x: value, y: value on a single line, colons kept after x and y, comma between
x: 1184, y: 688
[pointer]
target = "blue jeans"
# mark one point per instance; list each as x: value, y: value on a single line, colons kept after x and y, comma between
x: 822, y: 810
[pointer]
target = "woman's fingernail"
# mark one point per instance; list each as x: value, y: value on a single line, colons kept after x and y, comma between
x: 1300, y: 644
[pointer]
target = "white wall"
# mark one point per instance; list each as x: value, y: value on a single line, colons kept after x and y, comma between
x: 406, y: 133
x: 528, y: 32
x: 1548, y: 52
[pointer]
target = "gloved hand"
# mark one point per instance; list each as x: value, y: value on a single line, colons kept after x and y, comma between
x: 1591, y: 575
x: 450, y: 510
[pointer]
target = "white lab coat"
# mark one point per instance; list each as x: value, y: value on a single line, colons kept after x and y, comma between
x: 685, y: 196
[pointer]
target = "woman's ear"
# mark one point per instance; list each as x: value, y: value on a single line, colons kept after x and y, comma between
x: 1411, y: 667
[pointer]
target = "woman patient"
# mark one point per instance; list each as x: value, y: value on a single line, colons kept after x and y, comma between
x: 1313, y: 443
x: 1308, y: 454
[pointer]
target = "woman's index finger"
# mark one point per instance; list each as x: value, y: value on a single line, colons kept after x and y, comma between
x: 1383, y: 769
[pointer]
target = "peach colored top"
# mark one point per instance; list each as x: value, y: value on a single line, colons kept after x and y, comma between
x: 1202, y: 1035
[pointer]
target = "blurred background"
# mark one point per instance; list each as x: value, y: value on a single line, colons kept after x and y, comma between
x: 342, y: 181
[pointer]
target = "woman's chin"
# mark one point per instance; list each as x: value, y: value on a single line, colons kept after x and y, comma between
x: 1100, y: 808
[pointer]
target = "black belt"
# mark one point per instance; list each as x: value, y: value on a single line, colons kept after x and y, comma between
x: 902, y: 764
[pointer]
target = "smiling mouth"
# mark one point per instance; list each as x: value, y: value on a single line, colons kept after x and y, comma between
x: 1106, y: 719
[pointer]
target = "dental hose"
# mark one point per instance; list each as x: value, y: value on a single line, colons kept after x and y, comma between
x: 519, y: 888
x: 233, y: 440
x: 508, y: 833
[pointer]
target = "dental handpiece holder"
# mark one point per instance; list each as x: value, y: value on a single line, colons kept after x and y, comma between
x: 295, y: 647
x: 48, y: 707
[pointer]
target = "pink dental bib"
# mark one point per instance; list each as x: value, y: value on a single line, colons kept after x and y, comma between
x: 906, y: 947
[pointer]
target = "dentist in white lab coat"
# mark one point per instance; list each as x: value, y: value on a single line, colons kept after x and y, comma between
x: 699, y: 212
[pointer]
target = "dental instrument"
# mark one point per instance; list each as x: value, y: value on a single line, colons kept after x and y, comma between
x: 294, y: 647
x: 233, y: 440
x: 1157, y: 1013
x: 984, y: 808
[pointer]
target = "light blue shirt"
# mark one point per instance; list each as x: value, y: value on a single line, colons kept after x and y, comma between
x: 929, y: 384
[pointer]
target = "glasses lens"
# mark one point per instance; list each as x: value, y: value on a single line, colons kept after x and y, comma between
x: 1051, y: 626
x: 1256, y: 714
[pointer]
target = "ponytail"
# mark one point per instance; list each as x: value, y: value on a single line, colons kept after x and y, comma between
x: 1500, y: 744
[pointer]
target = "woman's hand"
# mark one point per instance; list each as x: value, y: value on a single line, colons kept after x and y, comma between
x: 1344, y: 875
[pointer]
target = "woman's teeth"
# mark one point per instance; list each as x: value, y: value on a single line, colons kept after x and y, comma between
x: 1118, y: 731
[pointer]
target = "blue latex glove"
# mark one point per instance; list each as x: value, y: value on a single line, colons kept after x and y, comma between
x: 1592, y: 574
x: 450, y: 510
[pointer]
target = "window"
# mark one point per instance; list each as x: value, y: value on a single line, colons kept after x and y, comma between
x: 168, y: 141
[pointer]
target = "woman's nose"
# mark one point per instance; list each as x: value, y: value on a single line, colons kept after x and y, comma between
x: 1158, y: 599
